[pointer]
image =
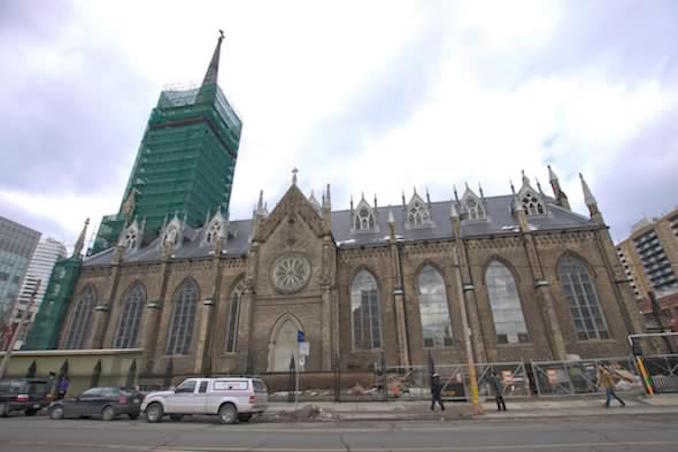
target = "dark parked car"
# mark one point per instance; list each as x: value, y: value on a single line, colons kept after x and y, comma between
x: 107, y: 402
x: 23, y: 394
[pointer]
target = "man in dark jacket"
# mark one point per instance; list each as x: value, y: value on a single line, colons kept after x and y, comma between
x: 436, y: 389
x: 496, y: 385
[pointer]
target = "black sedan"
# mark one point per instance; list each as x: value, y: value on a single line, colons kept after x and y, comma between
x: 106, y: 402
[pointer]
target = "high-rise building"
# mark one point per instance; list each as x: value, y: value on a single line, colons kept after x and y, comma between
x: 40, y: 268
x: 650, y: 259
x: 185, y: 162
x: 17, y: 243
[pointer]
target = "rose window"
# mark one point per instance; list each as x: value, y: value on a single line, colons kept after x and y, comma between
x: 291, y: 272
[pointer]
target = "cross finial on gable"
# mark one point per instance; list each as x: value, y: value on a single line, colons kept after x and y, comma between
x: 294, y: 176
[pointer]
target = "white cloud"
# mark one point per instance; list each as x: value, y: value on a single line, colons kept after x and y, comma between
x: 291, y: 68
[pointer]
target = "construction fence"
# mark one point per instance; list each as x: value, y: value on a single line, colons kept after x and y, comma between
x: 517, y: 380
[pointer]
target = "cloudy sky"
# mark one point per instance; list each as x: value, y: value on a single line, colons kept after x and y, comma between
x: 371, y: 97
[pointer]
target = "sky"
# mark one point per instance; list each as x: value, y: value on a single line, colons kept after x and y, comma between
x: 369, y: 97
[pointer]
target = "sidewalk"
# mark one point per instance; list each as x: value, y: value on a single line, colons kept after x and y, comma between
x: 517, y: 409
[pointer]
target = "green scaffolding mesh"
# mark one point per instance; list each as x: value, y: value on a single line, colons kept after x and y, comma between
x: 44, y: 334
x: 185, y: 163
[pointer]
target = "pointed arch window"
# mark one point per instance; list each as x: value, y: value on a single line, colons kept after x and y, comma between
x: 589, y: 322
x: 128, y: 326
x: 417, y: 214
x: 475, y: 209
x: 509, y: 322
x: 213, y: 232
x: 130, y: 240
x: 435, y: 315
x: 365, y: 314
x: 233, y: 317
x: 183, y: 316
x: 364, y: 219
x: 82, y: 318
x: 532, y: 204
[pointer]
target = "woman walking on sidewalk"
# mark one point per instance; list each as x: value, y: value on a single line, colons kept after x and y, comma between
x: 606, y: 380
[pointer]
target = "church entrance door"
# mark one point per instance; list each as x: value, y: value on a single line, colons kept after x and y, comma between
x: 283, y: 344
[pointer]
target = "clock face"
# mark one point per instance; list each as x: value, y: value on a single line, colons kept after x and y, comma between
x: 290, y: 272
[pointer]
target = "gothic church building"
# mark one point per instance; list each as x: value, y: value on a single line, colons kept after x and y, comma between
x: 531, y: 279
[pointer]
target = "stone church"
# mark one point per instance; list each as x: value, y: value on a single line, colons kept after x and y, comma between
x: 520, y: 276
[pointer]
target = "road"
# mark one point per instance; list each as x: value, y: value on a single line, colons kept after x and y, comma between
x: 617, y: 433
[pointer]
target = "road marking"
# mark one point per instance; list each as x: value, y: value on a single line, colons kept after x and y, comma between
x: 161, y: 448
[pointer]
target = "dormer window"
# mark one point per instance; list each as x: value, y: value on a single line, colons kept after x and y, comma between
x: 532, y: 204
x: 364, y: 217
x: 418, y: 215
x: 475, y: 209
x: 364, y: 220
x: 473, y: 206
x: 130, y: 240
x: 213, y: 232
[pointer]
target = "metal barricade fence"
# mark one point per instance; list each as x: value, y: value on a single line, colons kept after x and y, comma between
x: 414, y: 382
x: 565, y: 378
x: 663, y: 370
x: 513, y: 376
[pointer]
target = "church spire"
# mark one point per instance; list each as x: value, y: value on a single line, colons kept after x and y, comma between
x: 77, y: 248
x: 590, y: 201
x: 561, y: 197
x: 212, y: 73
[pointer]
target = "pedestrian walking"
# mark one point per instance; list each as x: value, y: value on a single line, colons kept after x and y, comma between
x: 495, y: 383
x: 51, y: 385
x: 436, y: 389
x: 606, y: 380
x: 64, y: 381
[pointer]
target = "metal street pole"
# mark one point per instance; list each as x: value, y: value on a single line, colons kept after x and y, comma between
x: 472, y: 375
x: 18, y: 330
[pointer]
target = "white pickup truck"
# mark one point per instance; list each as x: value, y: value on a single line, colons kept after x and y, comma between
x: 231, y: 398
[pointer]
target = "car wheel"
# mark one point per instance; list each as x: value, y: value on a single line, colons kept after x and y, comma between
x: 30, y: 412
x: 56, y: 412
x: 4, y: 410
x: 176, y: 417
x: 154, y: 412
x: 133, y: 417
x: 108, y: 413
x: 228, y: 414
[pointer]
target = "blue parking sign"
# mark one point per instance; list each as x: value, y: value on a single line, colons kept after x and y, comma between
x: 300, y: 336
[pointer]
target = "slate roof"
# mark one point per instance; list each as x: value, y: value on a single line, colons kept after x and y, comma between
x: 500, y: 220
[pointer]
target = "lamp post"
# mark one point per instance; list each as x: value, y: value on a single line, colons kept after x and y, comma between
x: 459, y: 260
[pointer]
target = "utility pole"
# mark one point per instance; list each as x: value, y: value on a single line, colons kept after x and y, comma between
x: 18, y: 330
x: 459, y: 259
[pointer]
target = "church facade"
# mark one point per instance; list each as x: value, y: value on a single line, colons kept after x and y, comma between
x: 520, y: 276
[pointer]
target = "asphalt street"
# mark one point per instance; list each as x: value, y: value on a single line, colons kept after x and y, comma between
x: 618, y: 433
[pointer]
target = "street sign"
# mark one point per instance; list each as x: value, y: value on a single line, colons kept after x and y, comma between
x: 302, y: 361
x: 300, y: 336
x: 304, y: 348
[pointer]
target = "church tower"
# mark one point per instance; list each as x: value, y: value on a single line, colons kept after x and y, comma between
x: 186, y: 159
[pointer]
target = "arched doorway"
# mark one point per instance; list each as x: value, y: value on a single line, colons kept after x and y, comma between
x: 283, y: 343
